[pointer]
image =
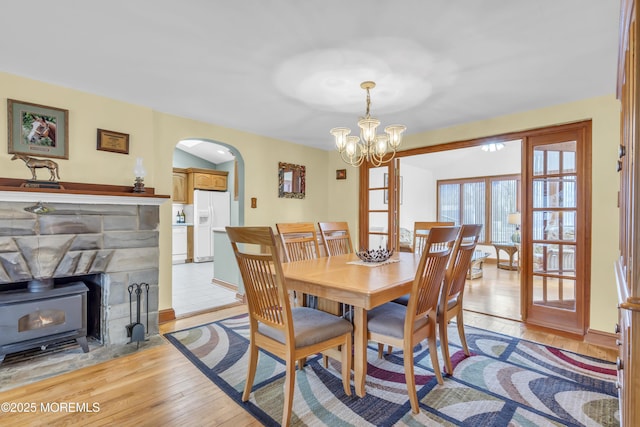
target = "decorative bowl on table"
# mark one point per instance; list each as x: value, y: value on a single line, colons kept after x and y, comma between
x: 375, y: 255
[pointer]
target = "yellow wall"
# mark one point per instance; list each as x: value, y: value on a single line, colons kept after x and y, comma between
x: 154, y: 136
x: 605, y: 113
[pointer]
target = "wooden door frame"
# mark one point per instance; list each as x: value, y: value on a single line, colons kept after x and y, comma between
x: 510, y: 136
x: 583, y: 239
x: 363, y: 215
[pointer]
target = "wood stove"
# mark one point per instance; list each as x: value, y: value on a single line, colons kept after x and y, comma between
x: 42, y: 315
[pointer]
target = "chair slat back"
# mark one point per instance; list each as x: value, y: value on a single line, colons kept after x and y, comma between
x: 421, y: 233
x: 429, y: 278
x: 299, y: 240
x: 336, y: 238
x: 267, y: 298
x: 461, y: 260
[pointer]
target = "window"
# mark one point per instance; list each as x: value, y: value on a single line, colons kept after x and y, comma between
x: 485, y: 200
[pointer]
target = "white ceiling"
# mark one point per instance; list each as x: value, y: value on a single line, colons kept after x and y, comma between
x: 292, y: 69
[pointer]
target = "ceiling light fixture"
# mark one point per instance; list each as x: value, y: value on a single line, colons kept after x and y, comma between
x: 493, y: 146
x: 375, y: 149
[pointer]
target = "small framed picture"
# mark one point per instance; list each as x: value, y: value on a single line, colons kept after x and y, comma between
x: 115, y: 142
x: 37, y: 130
x: 341, y: 174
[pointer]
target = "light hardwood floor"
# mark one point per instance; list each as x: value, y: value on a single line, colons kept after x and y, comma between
x: 496, y: 293
x: 160, y: 387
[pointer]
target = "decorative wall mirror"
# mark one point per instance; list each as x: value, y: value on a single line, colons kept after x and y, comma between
x: 291, y: 181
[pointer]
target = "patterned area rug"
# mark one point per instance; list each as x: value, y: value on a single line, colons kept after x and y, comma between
x: 505, y: 382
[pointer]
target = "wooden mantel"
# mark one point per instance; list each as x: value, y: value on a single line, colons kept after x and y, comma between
x: 73, y: 192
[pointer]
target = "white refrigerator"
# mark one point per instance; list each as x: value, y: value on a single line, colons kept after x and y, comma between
x: 211, y: 209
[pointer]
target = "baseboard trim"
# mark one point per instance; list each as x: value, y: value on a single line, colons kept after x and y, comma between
x: 604, y: 339
x: 224, y: 284
x: 166, y: 315
x: 543, y: 327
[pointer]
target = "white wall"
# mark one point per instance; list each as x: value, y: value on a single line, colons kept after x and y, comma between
x: 419, y: 195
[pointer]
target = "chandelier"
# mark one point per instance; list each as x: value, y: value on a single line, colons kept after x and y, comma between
x: 369, y: 147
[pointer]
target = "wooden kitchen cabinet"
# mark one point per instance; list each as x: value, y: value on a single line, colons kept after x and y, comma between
x: 205, y: 179
x: 179, y: 185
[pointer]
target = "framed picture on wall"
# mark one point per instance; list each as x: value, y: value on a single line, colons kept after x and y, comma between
x: 115, y: 142
x: 386, y: 191
x: 37, y: 130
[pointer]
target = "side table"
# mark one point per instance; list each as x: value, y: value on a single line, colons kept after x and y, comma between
x: 475, y: 269
x: 511, y: 249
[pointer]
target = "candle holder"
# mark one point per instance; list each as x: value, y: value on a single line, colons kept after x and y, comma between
x: 138, y: 186
x: 139, y: 172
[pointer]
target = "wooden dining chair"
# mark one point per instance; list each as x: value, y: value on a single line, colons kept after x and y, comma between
x: 404, y: 327
x: 289, y: 333
x: 421, y: 233
x: 299, y: 242
x: 450, y: 305
x: 336, y: 238
x: 337, y: 241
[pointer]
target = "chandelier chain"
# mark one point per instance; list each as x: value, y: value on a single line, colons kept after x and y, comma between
x: 368, y: 103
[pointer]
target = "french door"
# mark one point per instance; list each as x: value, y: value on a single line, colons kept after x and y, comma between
x: 379, y: 195
x: 556, y: 229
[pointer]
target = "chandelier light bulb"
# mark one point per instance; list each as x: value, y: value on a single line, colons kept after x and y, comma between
x: 341, y: 137
x: 395, y: 134
x: 368, y: 129
x: 381, y: 144
x: 351, y: 145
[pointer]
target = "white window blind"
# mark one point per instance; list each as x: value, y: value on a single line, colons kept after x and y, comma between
x: 487, y: 201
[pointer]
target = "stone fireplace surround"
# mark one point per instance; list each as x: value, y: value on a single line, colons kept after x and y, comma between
x: 114, y: 238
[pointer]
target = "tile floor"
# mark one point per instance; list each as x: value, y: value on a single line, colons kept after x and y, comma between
x: 193, y: 290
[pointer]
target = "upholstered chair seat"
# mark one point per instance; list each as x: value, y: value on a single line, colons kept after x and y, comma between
x: 310, y: 326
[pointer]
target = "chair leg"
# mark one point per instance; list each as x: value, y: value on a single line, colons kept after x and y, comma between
x: 433, y: 351
x: 251, y: 373
x: 347, y: 358
x: 410, y: 377
x: 289, y: 382
x: 301, y: 363
x: 380, y: 350
x: 463, y: 338
x: 444, y: 344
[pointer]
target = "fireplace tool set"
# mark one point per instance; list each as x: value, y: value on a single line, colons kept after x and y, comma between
x: 136, y: 330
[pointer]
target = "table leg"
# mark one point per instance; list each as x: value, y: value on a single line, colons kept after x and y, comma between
x: 359, y: 350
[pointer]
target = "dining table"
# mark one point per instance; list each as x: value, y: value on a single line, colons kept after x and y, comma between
x: 363, y: 285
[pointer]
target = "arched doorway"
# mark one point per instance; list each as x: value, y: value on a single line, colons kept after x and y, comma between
x: 193, y: 287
